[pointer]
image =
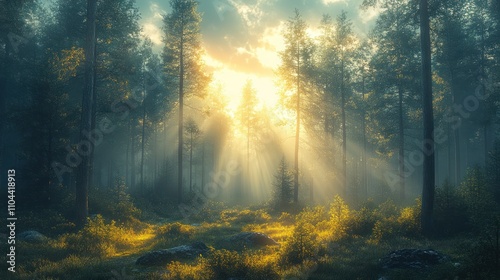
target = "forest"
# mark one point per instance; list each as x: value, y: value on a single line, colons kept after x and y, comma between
x: 250, y: 139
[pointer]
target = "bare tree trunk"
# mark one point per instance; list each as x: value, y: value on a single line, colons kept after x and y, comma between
x: 191, y: 162
x: 401, y: 144
x: 344, y: 135
x: 203, y: 166
x: 181, y: 122
x: 428, y: 118
x: 297, y: 133
x: 83, y: 175
x: 132, y: 157
x: 127, y: 155
x: 155, y: 152
x: 143, y: 140
x: 364, y: 180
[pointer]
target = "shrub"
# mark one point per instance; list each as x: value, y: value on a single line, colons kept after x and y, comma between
x: 187, y: 272
x: 98, y: 238
x: 300, y: 246
x: 339, y: 216
x: 409, y: 219
x: 114, y: 203
x: 225, y: 264
x: 477, y: 198
x: 384, y: 229
x: 245, y: 216
x: 450, y: 211
x: 361, y: 222
x: 48, y: 222
x: 286, y: 218
x: 176, y: 230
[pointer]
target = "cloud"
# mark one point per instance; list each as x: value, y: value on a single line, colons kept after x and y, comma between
x: 156, y: 11
x: 246, y: 34
x: 152, y: 32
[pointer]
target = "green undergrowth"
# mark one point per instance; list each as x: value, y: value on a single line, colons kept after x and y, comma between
x: 322, y: 242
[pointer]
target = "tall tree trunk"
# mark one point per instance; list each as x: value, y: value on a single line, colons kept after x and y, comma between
x: 428, y: 119
x: 143, y: 140
x: 401, y: 144
x: 363, y: 123
x: 155, y: 152
x: 485, y: 134
x: 94, y: 115
x: 181, y: 122
x: 203, y: 166
x: 82, y: 185
x: 450, y: 158
x: 458, y: 160
x: 344, y: 135
x: 297, y: 133
x: 127, y: 155
x: 191, y: 162
x: 132, y: 157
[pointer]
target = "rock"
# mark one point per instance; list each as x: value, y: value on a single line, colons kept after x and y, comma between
x: 183, y: 252
x: 31, y: 236
x: 413, y: 258
x: 255, y: 239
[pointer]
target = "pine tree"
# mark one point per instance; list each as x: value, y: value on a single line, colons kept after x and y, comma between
x: 193, y: 133
x: 296, y: 64
x: 248, y: 115
x: 283, y: 183
x: 83, y: 175
x: 182, y: 56
x: 428, y: 119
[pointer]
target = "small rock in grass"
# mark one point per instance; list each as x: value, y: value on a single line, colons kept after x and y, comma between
x: 165, y: 256
x: 31, y: 236
x: 413, y: 258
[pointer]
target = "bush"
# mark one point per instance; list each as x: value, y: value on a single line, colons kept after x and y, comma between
x: 409, y: 219
x: 176, y: 230
x: 339, y: 217
x: 477, y: 197
x: 186, y: 272
x: 450, y: 211
x: 245, y: 216
x: 300, y: 246
x: 48, y: 222
x: 114, y: 203
x: 98, y: 238
x: 225, y: 264
x: 361, y: 222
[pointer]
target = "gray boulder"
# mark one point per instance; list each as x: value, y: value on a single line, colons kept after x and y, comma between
x: 254, y: 239
x: 413, y: 258
x: 32, y: 236
x: 165, y: 256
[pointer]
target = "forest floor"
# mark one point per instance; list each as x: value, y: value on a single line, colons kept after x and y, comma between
x: 109, y: 250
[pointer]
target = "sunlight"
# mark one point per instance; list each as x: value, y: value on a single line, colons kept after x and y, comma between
x: 232, y: 86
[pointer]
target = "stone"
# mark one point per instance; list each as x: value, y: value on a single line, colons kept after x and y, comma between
x: 179, y: 253
x: 413, y: 258
x: 31, y: 236
x: 255, y: 239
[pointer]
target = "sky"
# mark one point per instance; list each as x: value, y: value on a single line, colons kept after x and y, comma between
x: 242, y: 38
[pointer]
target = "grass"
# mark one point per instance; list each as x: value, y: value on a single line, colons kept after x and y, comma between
x: 347, y: 244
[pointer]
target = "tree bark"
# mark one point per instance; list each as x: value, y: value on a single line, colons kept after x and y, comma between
x: 428, y: 119
x: 344, y: 135
x: 83, y: 175
x: 181, y: 122
x: 401, y: 145
x: 143, y: 142
x: 297, y: 133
